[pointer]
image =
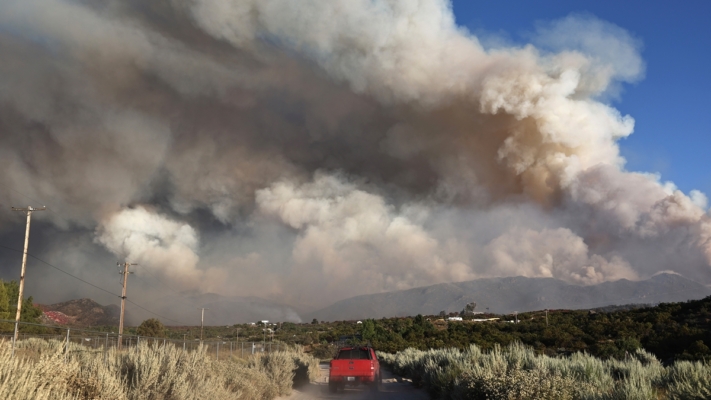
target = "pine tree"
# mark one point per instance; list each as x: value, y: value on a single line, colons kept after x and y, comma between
x: 5, y: 311
x: 4, y: 302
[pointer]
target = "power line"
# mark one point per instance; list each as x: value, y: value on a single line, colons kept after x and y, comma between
x: 30, y: 198
x: 62, y: 271
x: 159, y: 281
x: 156, y: 314
x: 92, y: 285
x: 182, y: 298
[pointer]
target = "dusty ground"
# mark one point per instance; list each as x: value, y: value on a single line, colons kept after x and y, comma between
x: 391, y: 390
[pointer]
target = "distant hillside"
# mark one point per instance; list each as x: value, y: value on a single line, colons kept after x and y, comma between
x: 180, y: 309
x: 222, y: 310
x: 82, y: 312
x: 506, y: 295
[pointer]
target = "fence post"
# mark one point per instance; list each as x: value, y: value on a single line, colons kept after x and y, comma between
x: 230, y: 348
x: 106, y: 347
x: 241, y: 354
x: 163, y: 342
x: 66, y: 346
x: 13, y: 345
x: 218, y: 351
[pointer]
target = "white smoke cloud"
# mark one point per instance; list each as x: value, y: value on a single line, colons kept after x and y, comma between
x: 347, y: 235
x: 699, y: 199
x: 154, y: 241
x: 611, y: 53
x: 557, y: 253
x: 406, y: 51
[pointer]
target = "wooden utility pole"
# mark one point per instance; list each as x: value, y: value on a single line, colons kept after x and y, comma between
x: 546, y: 317
x: 125, y: 273
x: 202, y: 321
x: 29, y: 211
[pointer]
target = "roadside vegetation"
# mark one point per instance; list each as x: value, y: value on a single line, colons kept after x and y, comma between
x: 670, y: 331
x: 659, y: 352
x: 47, y: 370
x: 518, y: 372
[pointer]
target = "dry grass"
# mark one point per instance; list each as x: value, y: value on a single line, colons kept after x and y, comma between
x: 45, y: 370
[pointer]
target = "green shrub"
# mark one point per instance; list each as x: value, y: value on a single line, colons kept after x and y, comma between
x: 689, y: 380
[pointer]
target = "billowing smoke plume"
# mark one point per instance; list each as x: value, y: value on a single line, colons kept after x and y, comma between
x: 154, y: 242
x: 308, y: 151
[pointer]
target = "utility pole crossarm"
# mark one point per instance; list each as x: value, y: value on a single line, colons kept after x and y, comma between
x: 29, y: 209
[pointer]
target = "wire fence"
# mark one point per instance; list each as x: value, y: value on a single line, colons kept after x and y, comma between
x: 103, y: 341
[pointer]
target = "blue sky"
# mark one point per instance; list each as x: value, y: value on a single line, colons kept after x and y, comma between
x: 671, y: 105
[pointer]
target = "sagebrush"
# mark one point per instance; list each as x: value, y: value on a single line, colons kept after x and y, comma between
x: 50, y: 370
x: 516, y: 372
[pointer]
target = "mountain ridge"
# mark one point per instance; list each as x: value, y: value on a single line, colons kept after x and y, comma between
x: 510, y: 294
x: 80, y: 312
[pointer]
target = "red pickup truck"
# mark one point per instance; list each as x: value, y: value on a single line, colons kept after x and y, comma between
x: 354, y: 366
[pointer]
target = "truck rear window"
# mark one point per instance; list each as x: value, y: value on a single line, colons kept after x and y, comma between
x: 354, y: 354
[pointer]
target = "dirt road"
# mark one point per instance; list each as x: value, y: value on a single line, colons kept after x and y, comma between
x: 391, y: 390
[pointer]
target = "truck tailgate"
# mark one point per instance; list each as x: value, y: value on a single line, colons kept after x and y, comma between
x: 351, y: 368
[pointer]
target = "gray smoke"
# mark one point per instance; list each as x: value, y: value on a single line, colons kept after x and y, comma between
x: 309, y: 151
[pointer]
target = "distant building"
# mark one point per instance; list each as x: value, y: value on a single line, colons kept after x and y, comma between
x: 454, y: 319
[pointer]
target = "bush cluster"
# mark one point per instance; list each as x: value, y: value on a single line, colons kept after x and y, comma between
x: 517, y: 372
x: 47, y: 370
